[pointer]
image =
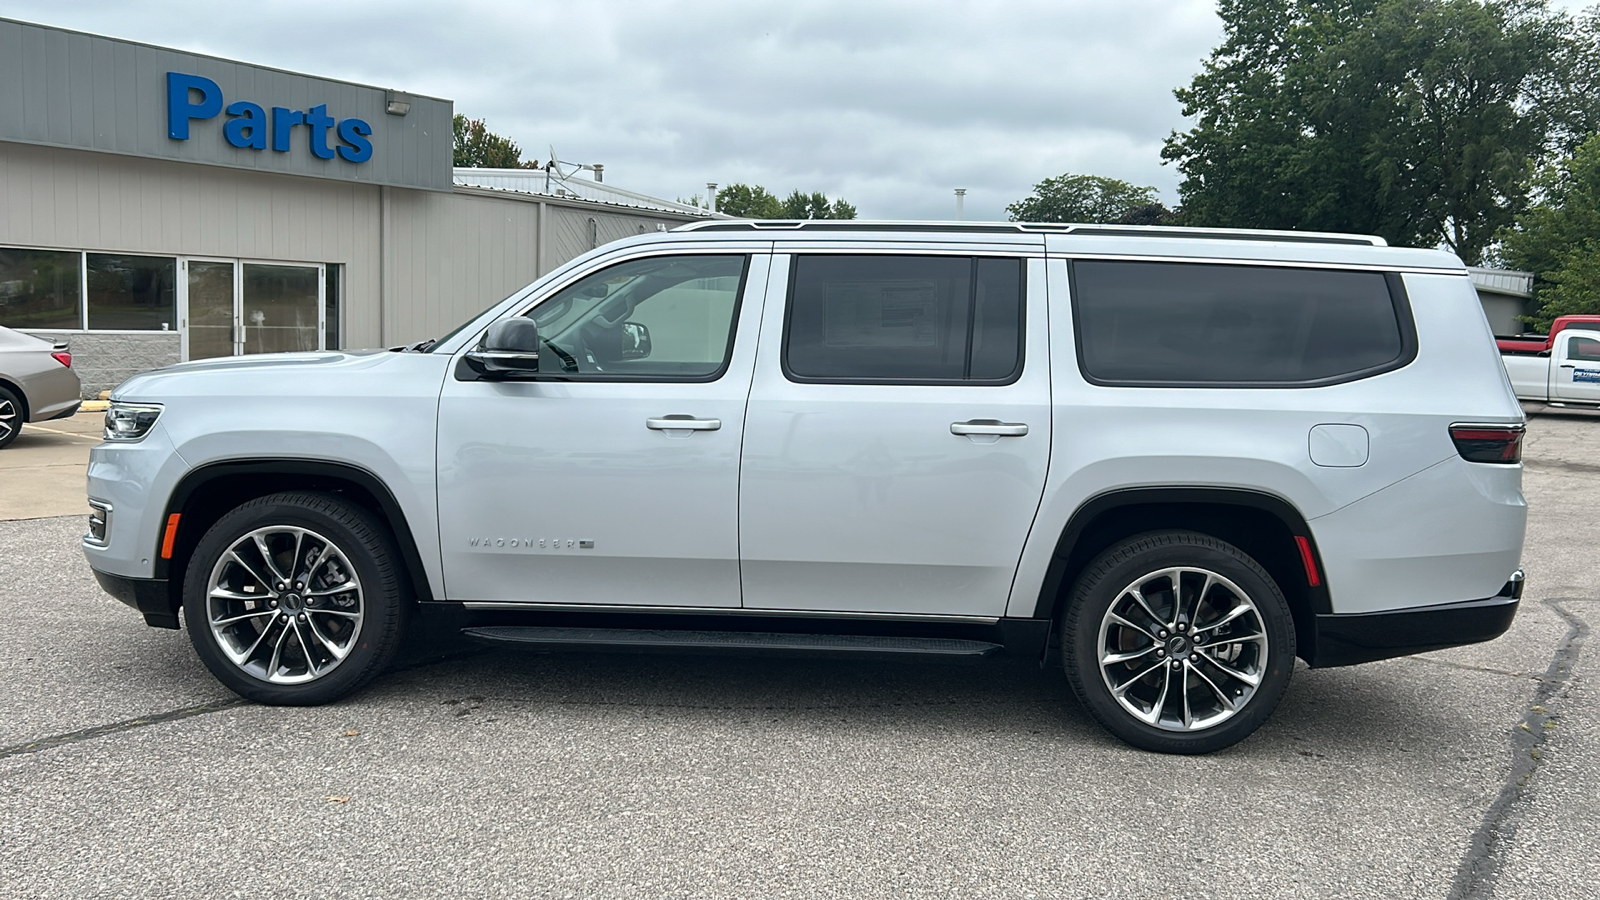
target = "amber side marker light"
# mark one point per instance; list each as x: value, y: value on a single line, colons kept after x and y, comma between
x: 1488, y: 443
x: 170, y: 536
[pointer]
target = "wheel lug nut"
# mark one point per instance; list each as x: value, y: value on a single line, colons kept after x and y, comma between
x: 285, y: 617
x: 1182, y: 626
x: 280, y: 586
x: 272, y: 603
x: 1161, y: 653
x: 1176, y: 664
x: 1162, y: 633
x: 299, y: 585
x: 302, y: 617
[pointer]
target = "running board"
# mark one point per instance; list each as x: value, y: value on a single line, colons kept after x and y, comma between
x: 652, y: 640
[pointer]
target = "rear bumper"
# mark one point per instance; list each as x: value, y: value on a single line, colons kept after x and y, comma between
x: 150, y: 596
x: 69, y: 411
x: 1348, y: 639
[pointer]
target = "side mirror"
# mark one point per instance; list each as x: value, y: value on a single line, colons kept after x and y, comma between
x: 509, y: 349
x: 635, y: 340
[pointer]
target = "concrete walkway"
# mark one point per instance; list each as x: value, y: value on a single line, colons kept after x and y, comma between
x: 42, y: 472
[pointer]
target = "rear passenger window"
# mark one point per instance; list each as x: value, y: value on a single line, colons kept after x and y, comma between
x: 916, y: 319
x: 1220, y: 325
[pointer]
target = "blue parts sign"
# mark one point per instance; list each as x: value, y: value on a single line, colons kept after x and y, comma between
x: 1590, y: 375
x: 250, y: 127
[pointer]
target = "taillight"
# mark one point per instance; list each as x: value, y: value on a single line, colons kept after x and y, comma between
x: 64, y: 357
x: 1488, y: 443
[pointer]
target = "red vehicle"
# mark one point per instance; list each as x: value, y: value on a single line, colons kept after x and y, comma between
x: 1534, y: 344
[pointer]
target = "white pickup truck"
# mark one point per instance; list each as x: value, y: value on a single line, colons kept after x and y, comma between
x: 1566, y: 373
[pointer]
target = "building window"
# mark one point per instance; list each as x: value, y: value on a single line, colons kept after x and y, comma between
x: 330, y: 302
x: 132, y: 293
x: 39, y: 288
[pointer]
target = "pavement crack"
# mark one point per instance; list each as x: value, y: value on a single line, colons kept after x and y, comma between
x: 100, y: 731
x: 1484, y: 669
x: 1584, y: 468
x: 1475, y: 876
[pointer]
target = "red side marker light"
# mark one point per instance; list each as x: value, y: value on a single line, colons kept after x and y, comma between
x: 170, y: 536
x: 1312, y: 578
x: 64, y: 357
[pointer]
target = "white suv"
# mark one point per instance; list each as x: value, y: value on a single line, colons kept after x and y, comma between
x: 1178, y: 459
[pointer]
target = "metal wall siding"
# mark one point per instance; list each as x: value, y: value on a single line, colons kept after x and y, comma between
x: 65, y: 89
x: 82, y: 200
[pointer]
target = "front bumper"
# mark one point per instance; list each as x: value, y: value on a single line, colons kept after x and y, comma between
x: 1351, y: 638
x: 151, y: 596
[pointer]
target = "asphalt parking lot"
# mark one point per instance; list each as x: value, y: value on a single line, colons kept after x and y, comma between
x: 125, y: 770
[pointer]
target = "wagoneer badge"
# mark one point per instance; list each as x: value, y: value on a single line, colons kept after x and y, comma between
x: 530, y: 543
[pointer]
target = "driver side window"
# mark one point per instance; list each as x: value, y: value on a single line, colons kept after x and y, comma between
x: 660, y: 317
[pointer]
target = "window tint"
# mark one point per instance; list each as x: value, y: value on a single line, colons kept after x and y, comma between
x: 1191, y: 323
x: 904, y: 318
x: 39, y: 289
x: 659, y: 317
x: 1586, y: 349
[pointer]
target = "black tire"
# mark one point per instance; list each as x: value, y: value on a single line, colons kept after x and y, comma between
x: 1214, y: 705
x: 359, y: 580
x: 12, y: 416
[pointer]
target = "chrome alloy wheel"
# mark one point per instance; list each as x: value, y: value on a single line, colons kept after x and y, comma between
x: 10, y: 418
x: 285, y: 605
x: 1182, y: 648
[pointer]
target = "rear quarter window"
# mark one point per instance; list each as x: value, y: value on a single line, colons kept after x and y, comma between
x: 1212, y: 325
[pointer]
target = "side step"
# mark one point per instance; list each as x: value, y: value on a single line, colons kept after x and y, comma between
x: 651, y: 640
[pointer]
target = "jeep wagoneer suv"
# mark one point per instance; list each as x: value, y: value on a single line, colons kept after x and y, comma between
x: 1174, y: 459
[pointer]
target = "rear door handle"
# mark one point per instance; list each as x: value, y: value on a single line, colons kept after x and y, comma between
x: 682, y: 423
x: 989, y: 426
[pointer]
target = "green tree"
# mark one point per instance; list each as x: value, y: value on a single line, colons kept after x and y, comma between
x: 1418, y: 120
x: 1558, y: 238
x: 816, y: 205
x: 1149, y: 214
x: 745, y: 202
x: 756, y: 202
x: 479, y: 148
x: 1086, y: 199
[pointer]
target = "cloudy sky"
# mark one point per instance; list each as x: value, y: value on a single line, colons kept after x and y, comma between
x: 888, y: 104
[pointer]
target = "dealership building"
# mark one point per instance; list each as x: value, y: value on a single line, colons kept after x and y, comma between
x: 158, y: 206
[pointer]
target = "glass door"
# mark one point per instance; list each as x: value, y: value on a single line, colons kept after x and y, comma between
x: 280, y: 308
x: 209, y: 312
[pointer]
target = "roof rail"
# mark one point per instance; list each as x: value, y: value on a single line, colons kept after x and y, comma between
x: 1222, y: 234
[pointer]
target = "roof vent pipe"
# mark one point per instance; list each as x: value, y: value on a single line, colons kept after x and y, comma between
x: 599, y: 172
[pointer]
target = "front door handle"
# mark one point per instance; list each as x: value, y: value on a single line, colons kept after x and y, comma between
x: 989, y: 426
x: 682, y: 423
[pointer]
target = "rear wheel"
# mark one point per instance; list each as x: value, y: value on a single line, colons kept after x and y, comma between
x: 10, y: 417
x: 295, y: 599
x: 1178, y: 642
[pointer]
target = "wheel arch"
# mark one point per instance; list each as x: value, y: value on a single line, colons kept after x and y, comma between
x: 22, y: 397
x: 208, y: 492
x: 1261, y: 524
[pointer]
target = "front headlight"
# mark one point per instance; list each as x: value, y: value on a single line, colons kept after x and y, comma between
x: 128, y: 422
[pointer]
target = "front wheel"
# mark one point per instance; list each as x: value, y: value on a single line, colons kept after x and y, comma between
x: 1178, y: 642
x: 295, y: 599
